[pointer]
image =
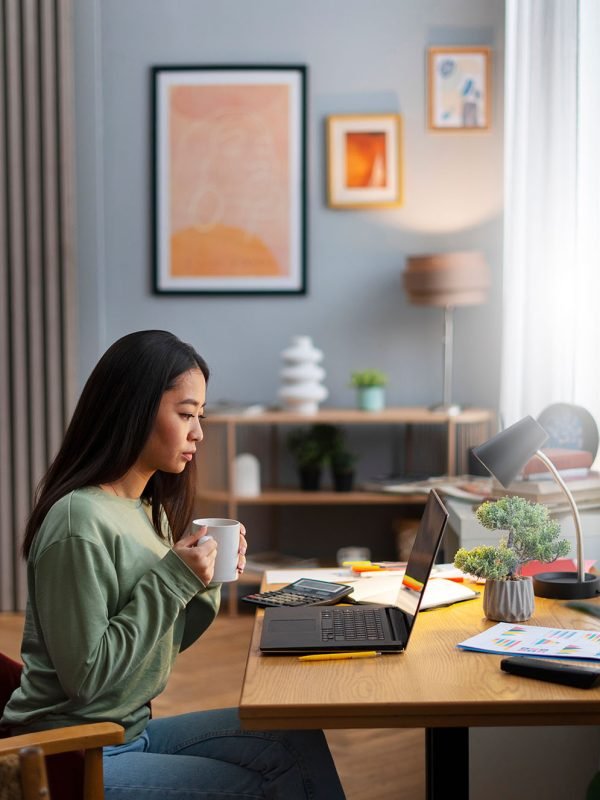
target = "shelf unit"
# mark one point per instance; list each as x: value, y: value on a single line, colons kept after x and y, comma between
x: 215, y: 467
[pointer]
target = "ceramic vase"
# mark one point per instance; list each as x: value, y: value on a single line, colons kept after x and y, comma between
x: 371, y: 398
x: 247, y: 475
x: 302, y: 389
x: 508, y: 601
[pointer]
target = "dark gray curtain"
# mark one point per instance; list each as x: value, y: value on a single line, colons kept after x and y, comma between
x: 37, y: 291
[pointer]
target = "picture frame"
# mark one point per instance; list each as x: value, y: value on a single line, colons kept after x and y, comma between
x: 364, y: 155
x: 229, y: 179
x: 459, y: 88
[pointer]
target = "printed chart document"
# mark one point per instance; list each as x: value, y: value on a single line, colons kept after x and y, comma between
x: 530, y: 640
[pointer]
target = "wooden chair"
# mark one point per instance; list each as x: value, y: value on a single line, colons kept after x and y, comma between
x: 31, y: 749
x: 24, y: 777
x: 73, y: 754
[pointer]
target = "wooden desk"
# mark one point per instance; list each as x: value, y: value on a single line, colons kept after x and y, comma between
x: 434, y: 685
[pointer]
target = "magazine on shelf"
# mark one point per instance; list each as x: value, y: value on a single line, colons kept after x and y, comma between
x: 462, y: 487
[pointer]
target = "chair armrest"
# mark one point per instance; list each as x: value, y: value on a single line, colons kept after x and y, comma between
x: 62, y: 740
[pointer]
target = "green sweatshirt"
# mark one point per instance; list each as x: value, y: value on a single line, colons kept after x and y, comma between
x: 110, y: 606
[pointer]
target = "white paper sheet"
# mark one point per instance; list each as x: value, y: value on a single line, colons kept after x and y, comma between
x: 335, y: 574
x: 375, y: 587
x: 531, y: 640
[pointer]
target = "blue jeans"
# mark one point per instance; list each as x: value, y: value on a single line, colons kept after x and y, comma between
x: 205, y: 756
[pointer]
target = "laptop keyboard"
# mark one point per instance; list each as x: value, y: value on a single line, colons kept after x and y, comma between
x: 353, y: 624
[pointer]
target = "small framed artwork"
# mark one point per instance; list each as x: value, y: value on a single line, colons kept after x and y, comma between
x: 229, y: 179
x: 459, y: 80
x: 364, y: 160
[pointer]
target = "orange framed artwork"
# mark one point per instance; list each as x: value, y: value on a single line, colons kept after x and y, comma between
x: 229, y: 179
x: 364, y: 160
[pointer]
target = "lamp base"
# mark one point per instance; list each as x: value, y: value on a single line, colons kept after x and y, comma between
x: 452, y: 409
x: 565, y: 586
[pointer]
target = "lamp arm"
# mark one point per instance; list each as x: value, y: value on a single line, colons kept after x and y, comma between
x: 578, y: 532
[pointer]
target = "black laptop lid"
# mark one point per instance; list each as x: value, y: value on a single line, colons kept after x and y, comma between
x: 421, y: 560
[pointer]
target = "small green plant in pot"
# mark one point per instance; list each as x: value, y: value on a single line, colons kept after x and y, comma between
x: 531, y: 535
x: 370, y: 385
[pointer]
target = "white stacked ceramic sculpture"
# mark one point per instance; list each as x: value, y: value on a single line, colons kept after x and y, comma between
x: 302, y: 389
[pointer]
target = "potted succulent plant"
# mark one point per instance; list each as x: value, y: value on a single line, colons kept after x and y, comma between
x: 370, y: 385
x: 531, y: 535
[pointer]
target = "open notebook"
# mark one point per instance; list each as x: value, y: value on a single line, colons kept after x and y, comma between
x: 385, y: 588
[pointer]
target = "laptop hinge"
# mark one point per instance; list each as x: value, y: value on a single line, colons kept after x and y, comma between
x: 397, y: 620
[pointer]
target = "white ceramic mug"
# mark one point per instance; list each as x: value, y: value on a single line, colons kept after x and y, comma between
x: 226, y: 533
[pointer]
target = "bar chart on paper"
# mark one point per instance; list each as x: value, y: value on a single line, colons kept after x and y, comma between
x: 532, y: 640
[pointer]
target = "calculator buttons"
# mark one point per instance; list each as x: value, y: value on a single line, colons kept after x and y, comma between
x: 289, y: 596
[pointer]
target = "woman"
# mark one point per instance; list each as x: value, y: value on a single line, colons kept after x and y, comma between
x: 117, y: 587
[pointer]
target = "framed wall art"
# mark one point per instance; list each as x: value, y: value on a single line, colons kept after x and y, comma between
x: 459, y: 81
x: 364, y: 160
x: 229, y: 179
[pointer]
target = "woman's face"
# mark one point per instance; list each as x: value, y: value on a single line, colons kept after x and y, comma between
x: 176, y: 431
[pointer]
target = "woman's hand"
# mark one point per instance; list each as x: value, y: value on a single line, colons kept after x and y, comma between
x: 200, y: 558
x: 242, y: 550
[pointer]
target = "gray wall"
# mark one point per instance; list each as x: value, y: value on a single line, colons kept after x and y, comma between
x: 362, y: 57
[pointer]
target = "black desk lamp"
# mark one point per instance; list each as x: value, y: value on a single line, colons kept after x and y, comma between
x: 504, y: 455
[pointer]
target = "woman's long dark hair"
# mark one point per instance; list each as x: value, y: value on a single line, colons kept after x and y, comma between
x: 111, y: 424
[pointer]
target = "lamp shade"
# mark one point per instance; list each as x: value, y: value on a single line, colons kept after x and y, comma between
x: 447, y: 279
x: 506, y: 453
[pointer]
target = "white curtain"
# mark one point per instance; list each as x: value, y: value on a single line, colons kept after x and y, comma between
x: 551, y: 294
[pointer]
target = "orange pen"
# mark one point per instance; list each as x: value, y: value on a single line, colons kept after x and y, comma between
x: 369, y: 568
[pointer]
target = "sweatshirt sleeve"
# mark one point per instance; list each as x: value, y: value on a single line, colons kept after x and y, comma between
x: 76, y: 585
x: 200, y: 612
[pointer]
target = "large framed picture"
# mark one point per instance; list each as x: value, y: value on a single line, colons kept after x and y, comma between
x: 364, y: 160
x: 229, y: 179
x: 459, y: 81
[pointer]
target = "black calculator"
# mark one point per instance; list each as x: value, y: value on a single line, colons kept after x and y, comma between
x: 303, y: 592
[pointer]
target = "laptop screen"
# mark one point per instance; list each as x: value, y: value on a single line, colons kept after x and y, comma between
x: 422, y: 556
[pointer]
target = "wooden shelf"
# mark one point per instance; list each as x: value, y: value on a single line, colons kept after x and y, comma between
x: 339, y: 416
x: 323, y: 497
x: 463, y: 430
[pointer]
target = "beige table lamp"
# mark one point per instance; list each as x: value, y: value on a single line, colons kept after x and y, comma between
x: 447, y: 280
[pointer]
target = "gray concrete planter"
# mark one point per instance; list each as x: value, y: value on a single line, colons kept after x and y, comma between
x: 508, y: 601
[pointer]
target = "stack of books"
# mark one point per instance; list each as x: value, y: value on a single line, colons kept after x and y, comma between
x: 537, y: 484
x: 569, y: 463
x: 585, y: 491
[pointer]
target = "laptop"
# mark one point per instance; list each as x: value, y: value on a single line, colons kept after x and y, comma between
x: 387, y: 629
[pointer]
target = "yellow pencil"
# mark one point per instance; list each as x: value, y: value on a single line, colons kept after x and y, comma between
x: 339, y: 656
